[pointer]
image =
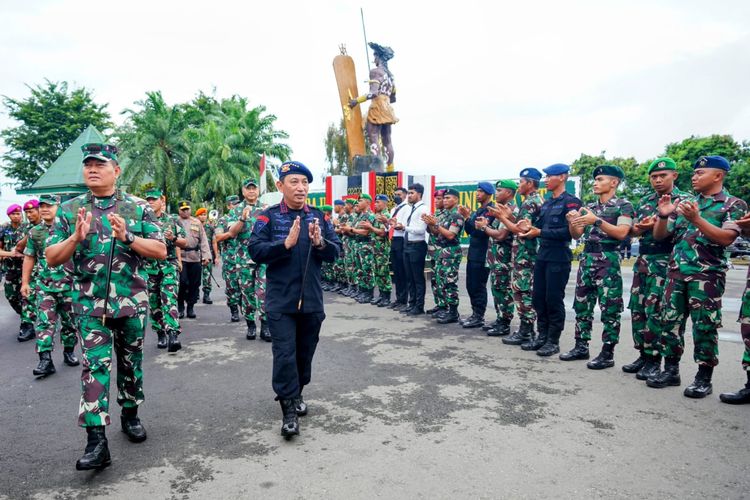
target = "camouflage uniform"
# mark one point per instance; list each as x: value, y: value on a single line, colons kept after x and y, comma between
x: 500, y: 264
x: 206, y: 281
x: 649, y: 278
x: 364, y: 256
x: 12, y: 268
x: 128, y: 300
x: 164, y: 281
x: 432, y: 250
x: 696, y: 278
x: 228, y: 250
x: 745, y: 323
x: 352, y: 250
x: 251, y: 277
x: 382, y: 257
x: 599, y: 277
x: 449, y: 257
x: 53, y: 292
x: 339, y: 265
x: 523, y: 257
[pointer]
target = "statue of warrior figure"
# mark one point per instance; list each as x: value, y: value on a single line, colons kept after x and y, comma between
x: 382, y: 92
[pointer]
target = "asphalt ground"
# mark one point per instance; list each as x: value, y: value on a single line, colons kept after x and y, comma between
x: 399, y: 408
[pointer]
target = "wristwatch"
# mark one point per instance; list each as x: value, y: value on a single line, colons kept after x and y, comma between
x: 129, y: 238
x: 598, y: 222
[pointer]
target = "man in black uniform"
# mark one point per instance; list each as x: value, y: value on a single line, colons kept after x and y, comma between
x: 552, y: 266
x: 294, y: 239
x: 477, y: 271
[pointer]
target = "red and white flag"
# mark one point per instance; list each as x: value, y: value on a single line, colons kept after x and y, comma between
x: 262, y: 173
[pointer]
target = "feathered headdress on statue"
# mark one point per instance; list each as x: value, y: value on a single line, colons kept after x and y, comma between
x: 383, y: 53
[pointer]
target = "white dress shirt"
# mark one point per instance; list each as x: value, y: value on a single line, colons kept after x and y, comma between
x: 414, y: 226
x: 400, y: 217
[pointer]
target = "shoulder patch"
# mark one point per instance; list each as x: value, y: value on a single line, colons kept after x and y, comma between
x: 260, y: 223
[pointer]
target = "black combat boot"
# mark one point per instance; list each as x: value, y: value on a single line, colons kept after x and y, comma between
x: 605, y: 359
x: 300, y: 406
x: 132, y: 426
x: 365, y: 297
x: 374, y: 300
x: 502, y: 328
x: 450, y: 316
x: 552, y: 346
x: 45, y: 366
x: 434, y: 310
x: 650, y: 369
x: 69, y: 357
x: 385, y: 299
x: 490, y: 326
x: 96, y: 454
x: 207, y: 298
x: 180, y: 310
x: 26, y: 332
x: 741, y: 397
x: 437, y: 312
x: 173, y: 342
x: 161, y: 340
x: 469, y: 319
x: 535, y: 343
x: 265, y: 331
x: 234, y: 311
x: 289, y: 422
x: 701, y: 386
x: 523, y: 334
x: 250, y: 335
x: 636, y: 365
x: 190, y: 311
x: 580, y: 351
x: 476, y: 321
x: 670, y: 375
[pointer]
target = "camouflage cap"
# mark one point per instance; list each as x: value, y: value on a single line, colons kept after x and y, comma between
x: 153, y: 193
x: 49, y: 199
x: 103, y: 152
x: 250, y: 181
x: 232, y: 199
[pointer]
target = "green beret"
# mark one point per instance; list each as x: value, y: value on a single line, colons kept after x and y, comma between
x: 326, y: 208
x: 232, y: 199
x: 365, y: 196
x: 610, y: 170
x: 153, y: 193
x: 351, y: 201
x: 49, y: 199
x: 507, y: 185
x: 662, y: 164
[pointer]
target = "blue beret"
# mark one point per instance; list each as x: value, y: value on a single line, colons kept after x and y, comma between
x: 338, y: 202
x: 294, y: 167
x: 486, y: 187
x: 531, y: 173
x: 381, y: 197
x: 557, y: 169
x: 713, y: 162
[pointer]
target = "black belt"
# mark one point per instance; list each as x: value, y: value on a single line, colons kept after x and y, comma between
x: 655, y: 248
x: 600, y: 247
x: 191, y: 249
x: 415, y: 242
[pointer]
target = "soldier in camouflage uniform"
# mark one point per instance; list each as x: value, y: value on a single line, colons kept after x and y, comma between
x: 382, y: 251
x: 251, y: 276
x: 603, y: 224
x: 650, y: 270
x: 164, y: 277
x: 52, y: 291
x: 228, y: 251
x: 432, y: 250
x: 742, y: 396
x: 499, y: 262
x: 207, y: 271
x: 448, y: 230
x: 697, y: 272
x: 351, y: 246
x: 110, y: 309
x: 523, y: 255
x: 11, y: 249
x: 326, y: 268
x: 339, y: 274
x: 365, y: 253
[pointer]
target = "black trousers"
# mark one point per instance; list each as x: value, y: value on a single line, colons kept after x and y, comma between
x: 477, y: 274
x: 294, y: 339
x: 398, y: 269
x: 190, y: 282
x: 414, y: 257
x: 550, y: 279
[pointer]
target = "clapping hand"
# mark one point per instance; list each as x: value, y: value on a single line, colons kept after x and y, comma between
x: 744, y: 221
x: 464, y: 211
x: 314, y: 233
x: 665, y: 206
x: 83, y: 224
x: 689, y: 209
x: 646, y: 224
x: 293, y: 236
x: 119, y: 227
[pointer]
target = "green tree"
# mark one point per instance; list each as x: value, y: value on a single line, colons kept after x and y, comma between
x: 631, y: 188
x: 337, y: 150
x: 50, y: 119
